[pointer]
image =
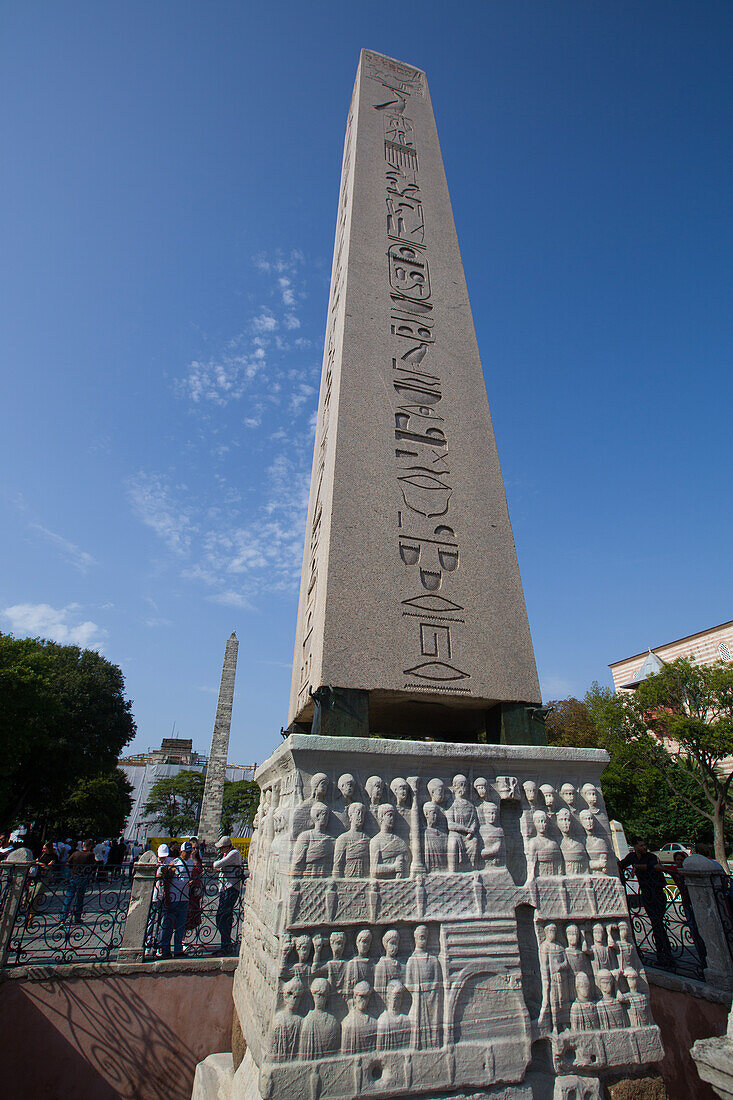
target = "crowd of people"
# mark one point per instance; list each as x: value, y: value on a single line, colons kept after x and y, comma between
x: 179, y: 889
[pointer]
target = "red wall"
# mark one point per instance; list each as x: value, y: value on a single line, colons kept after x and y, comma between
x: 136, y: 1037
x: 139, y: 1036
x: 683, y: 1019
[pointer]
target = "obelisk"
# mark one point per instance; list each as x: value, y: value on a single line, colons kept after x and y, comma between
x: 411, y: 601
x: 431, y: 913
x: 211, y: 803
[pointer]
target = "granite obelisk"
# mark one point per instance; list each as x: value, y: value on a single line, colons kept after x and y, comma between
x: 417, y: 918
x: 211, y: 803
x: 410, y: 591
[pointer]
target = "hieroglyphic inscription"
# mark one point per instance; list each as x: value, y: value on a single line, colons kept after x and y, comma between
x: 326, y: 411
x: 426, y: 538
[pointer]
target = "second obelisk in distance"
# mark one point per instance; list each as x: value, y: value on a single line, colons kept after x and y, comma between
x: 213, y: 798
x: 411, y: 601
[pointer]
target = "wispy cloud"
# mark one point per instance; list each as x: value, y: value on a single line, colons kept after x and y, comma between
x: 57, y: 624
x: 154, y: 503
x: 68, y: 550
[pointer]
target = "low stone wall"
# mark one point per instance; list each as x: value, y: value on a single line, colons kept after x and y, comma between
x: 685, y: 1011
x: 113, y: 1031
x: 118, y: 1031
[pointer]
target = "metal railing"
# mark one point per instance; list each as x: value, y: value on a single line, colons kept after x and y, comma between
x: 664, y: 927
x: 210, y: 913
x: 55, y: 917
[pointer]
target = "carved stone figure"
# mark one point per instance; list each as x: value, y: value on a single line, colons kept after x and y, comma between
x: 623, y: 947
x: 436, y: 790
x: 401, y: 791
x: 611, y: 1013
x: 320, y: 1034
x: 574, y: 853
x: 481, y: 787
x: 555, y: 981
x: 637, y: 1003
x: 359, y: 1029
x: 590, y: 793
x: 507, y: 787
x: 599, y: 854
x: 493, y: 847
x: 361, y: 967
x: 285, y: 1036
x: 351, y: 849
x: 336, y: 965
x: 435, y: 839
x: 543, y: 854
x: 301, y: 819
x: 302, y: 968
x: 572, y: 1087
x: 347, y: 790
x: 389, y: 968
x: 604, y: 957
x: 550, y: 796
x: 424, y: 980
x: 393, y: 1026
x: 583, y: 1013
x: 531, y: 793
x: 374, y: 787
x: 463, y: 839
x: 578, y: 956
x: 568, y: 793
x: 313, y: 849
x: 389, y: 856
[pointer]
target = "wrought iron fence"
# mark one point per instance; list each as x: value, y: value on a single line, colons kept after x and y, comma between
x: 214, y: 912
x: 664, y: 927
x: 722, y: 885
x: 67, y: 917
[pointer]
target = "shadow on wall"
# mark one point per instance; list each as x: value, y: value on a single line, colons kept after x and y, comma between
x: 138, y: 1037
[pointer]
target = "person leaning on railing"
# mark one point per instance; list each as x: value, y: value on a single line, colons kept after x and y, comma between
x: 650, y: 876
x: 229, y: 866
x: 176, y: 880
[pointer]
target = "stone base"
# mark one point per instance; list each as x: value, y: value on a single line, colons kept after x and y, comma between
x: 414, y: 921
x: 214, y: 1078
x: 714, y: 1061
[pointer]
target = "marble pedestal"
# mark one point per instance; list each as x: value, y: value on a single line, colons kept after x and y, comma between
x: 429, y: 919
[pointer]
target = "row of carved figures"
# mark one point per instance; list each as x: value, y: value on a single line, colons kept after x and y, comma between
x: 361, y: 841
x: 318, y: 1033
x: 605, y: 967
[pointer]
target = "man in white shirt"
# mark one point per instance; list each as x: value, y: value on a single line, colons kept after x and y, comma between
x: 229, y: 866
x: 175, y: 879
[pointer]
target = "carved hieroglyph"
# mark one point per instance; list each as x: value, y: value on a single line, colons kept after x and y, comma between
x: 410, y: 588
x: 387, y: 952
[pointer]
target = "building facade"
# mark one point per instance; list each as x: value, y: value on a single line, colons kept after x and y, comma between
x: 705, y: 648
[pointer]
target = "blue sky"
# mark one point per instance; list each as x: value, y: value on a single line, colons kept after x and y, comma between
x: 168, y: 206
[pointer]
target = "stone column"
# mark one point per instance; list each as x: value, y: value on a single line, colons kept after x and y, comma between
x: 698, y: 871
x: 12, y: 896
x: 132, y: 948
x: 211, y: 803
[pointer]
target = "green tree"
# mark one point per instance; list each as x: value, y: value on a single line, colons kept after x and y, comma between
x: 241, y: 799
x: 96, y: 807
x: 175, y: 801
x: 631, y: 787
x: 681, y: 723
x: 63, y: 717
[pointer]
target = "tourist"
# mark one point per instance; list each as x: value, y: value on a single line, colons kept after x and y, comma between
x: 229, y: 866
x: 176, y: 880
x: 650, y: 876
x: 196, y: 890
x: 133, y: 855
x: 20, y: 852
x: 152, y: 934
x: 39, y: 881
x: 678, y: 878
x: 81, y: 867
x: 63, y: 851
x: 101, y: 848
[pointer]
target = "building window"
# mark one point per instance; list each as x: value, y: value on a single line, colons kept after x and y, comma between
x: 724, y: 652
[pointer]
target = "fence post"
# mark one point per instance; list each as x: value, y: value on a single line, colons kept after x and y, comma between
x: 12, y: 897
x: 698, y: 872
x: 132, y: 948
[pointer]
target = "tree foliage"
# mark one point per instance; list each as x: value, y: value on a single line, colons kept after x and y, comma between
x: 632, y: 789
x: 63, y: 718
x: 96, y: 807
x: 175, y: 801
x: 241, y: 798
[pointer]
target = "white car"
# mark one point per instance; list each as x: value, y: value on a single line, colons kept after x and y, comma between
x: 666, y: 854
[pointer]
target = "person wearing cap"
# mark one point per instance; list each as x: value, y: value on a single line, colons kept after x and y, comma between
x: 176, y: 880
x: 229, y: 866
